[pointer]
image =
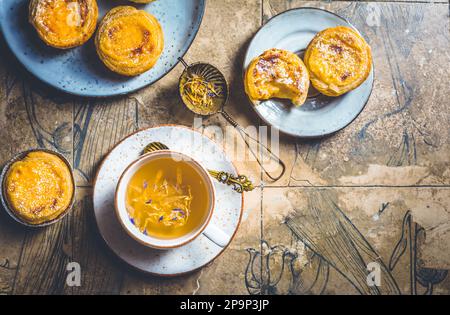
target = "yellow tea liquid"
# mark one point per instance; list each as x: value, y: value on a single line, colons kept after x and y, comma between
x: 167, y: 199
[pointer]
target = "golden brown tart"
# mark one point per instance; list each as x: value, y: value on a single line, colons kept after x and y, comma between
x: 339, y: 60
x: 129, y: 41
x: 277, y: 73
x: 39, y: 187
x: 64, y: 24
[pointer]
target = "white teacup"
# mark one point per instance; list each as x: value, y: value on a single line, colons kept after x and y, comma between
x: 209, y: 230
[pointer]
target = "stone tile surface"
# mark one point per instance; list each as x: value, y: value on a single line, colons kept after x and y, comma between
x: 405, y: 230
x: 401, y: 138
x: 378, y: 191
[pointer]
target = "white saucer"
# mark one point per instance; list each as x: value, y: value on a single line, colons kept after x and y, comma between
x: 227, y: 214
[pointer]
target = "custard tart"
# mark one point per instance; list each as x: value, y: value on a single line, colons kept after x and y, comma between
x: 129, y: 41
x: 64, y: 24
x: 277, y: 73
x: 39, y: 187
x: 339, y: 60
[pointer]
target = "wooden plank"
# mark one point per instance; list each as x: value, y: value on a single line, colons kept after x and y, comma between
x: 35, y: 117
x: 98, y: 126
x: 101, y: 270
x: 46, y: 253
x: 11, y: 236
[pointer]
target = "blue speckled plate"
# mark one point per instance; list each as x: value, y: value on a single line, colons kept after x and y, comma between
x: 79, y: 71
x: 319, y: 116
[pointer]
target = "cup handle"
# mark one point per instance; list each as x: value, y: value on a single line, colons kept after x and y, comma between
x: 216, y: 235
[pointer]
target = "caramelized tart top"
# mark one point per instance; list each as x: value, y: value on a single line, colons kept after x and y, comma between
x: 277, y: 73
x: 338, y: 60
x: 129, y: 41
x: 62, y: 23
x: 39, y: 187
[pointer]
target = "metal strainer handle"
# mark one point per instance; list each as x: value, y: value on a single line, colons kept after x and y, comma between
x: 262, y: 148
x: 239, y: 183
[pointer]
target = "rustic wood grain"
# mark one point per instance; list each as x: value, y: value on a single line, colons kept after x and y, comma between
x: 10, y: 234
x: 101, y: 270
x: 43, y: 257
x: 98, y: 126
x: 32, y: 117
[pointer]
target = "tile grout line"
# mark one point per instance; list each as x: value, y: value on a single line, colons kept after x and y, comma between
x: 71, y: 224
x: 362, y: 186
x: 330, y: 186
x: 261, y: 212
x: 387, y: 1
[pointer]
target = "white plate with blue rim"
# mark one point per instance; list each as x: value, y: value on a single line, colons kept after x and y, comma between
x: 320, y: 115
x: 177, y: 261
x: 79, y: 71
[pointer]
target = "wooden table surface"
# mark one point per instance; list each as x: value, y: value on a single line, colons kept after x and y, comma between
x: 377, y: 191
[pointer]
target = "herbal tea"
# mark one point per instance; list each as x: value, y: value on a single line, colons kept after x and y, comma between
x: 167, y: 198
